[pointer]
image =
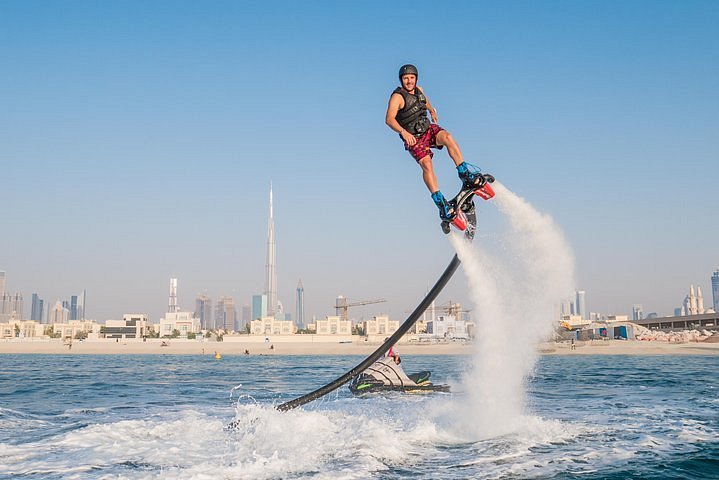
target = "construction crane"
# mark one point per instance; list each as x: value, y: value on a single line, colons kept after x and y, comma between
x: 452, y: 308
x: 342, y: 303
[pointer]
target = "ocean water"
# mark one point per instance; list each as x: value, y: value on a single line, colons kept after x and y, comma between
x: 165, y: 416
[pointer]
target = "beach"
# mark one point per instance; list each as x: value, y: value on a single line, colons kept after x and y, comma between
x: 184, y: 347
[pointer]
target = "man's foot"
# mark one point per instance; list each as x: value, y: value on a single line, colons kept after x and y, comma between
x: 470, y: 175
x: 446, y: 211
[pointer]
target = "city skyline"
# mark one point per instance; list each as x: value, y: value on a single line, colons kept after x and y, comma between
x: 164, y: 131
x: 691, y: 304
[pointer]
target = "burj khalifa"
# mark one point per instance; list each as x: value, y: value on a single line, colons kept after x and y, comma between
x: 270, y: 270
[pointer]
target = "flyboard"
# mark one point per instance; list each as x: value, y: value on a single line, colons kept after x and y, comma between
x: 467, y: 222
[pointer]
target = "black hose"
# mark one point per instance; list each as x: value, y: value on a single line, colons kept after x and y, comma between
x: 404, y: 328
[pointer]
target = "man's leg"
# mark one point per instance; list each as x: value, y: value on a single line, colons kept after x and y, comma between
x: 444, y: 138
x: 468, y: 177
x: 445, y: 211
x: 430, y: 179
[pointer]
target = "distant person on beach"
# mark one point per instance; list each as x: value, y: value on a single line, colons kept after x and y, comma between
x: 407, y: 115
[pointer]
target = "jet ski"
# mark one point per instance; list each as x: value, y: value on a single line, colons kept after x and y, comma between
x: 385, y: 375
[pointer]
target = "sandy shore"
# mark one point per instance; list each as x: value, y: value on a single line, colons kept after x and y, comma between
x: 178, y: 347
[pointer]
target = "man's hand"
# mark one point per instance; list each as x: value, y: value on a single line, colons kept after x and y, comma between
x: 408, y: 137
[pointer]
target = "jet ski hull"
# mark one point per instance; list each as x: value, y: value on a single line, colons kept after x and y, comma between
x: 387, y: 376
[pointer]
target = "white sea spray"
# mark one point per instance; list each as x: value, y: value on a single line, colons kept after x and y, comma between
x: 516, y: 292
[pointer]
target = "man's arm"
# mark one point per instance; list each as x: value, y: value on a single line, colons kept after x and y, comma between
x: 396, y: 102
x: 431, y: 109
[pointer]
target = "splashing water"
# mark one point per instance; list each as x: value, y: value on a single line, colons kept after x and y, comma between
x: 515, y: 293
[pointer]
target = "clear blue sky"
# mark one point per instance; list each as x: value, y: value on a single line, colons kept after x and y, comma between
x: 138, y: 141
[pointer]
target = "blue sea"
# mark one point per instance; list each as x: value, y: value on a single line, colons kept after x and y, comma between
x: 165, y: 416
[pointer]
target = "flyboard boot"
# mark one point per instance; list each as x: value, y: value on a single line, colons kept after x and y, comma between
x: 473, y: 183
x: 448, y: 213
x: 473, y: 179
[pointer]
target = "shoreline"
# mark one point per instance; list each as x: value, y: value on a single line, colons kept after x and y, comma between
x: 179, y: 347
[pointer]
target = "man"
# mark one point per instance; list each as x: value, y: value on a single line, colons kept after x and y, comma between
x: 393, y: 353
x: 407, y: 115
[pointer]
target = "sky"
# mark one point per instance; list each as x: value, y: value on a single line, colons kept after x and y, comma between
x: 138, y: 142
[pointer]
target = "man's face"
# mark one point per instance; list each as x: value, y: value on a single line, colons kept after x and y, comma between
x: 409, y: 81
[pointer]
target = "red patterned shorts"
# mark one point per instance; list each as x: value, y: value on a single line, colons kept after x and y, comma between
x: 428, y: 140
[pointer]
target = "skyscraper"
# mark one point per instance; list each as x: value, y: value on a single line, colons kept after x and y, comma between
x: 81, y: 305
x: 172, y: 304
x: 270, y: 271
x: 225, y: 314
x: 715, y: 289
x: 73, y: 307
x: 203, y: 311
x: 4, y: 300
x: 637, y: 312
x: 259, y: 306
x: 246, y: 317
x: 59, y: 313
x: 300, y: 306
x: 581, y: 304
x: 14, y: 306
x: 37, y: 308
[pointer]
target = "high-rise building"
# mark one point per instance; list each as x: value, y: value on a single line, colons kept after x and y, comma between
x: 637, y: 312
x: 203, y: 311
x: 59, y: 313
x: 270, y: 270
x: 715, y: 289
x: 259, y: 306
x: 73, y: 307
x: 81, y: 305
x: 225, y: 314
x: 300, y: 306
x: 581, y: 304
x: 5, y: 300
x: 37, y: 307
x: 14, y: 307
x: 246, y: 317
x: 172, y: 304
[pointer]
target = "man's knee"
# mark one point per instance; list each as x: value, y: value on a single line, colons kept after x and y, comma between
x: 445, y: 138
x: 425, y: 163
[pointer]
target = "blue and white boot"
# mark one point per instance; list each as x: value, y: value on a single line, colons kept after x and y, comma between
x: 446, y: 212
x: 470, y: 175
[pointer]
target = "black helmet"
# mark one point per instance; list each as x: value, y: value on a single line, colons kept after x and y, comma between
x: 408, y: 70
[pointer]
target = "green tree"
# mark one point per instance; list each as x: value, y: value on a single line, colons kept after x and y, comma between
x: 175, y: 333
x: 191, y: 336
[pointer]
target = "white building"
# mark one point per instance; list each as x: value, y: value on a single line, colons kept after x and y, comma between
x: 333, y: 325
x: 21, y: 329
x: 380, y: 325
x: 574, y: 321
x: 183, y: 322
x: 71, y: 329
x: 448, y: 326
x: 132, y: 325
x: 693, y: 303
x: 272, y: 326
